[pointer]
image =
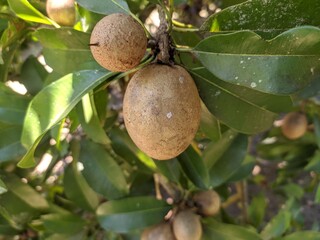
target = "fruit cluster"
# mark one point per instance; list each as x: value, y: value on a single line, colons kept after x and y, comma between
x: 186, y: 224
x: 161, y: 106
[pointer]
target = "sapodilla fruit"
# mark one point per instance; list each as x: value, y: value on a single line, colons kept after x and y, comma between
x: 118, y: 42
x: 161, y: 110
x: 187, y: 226
x: 208, y: 202
x: 294, y: 125
x: 162, y: 231
x: 61, y: 11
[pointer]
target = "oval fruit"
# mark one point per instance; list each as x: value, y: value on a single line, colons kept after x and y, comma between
x: 294, y: 125
x: 207, y: 202
x: 61, y: 11
x: 161, y: 231
x: 187, y: 226
x: 118, y: 42
x: 161, y: 110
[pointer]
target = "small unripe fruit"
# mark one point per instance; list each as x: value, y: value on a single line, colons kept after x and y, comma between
x: 161, y: 231
x: 187, y: 226
x: 294, y: 125
x: 207, y: 202
x: 161, y: 110
x: 61, y: 11
x: 118, y: 42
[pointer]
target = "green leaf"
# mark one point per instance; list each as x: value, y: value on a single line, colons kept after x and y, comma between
x: 66, y: 50
x: 245, y: 170
x: 270, y: 15
x: 230, y: 159
x: 277, y: 226
x: 317, y: 197
x: 33, y: 74
x: 24, y: 10
x: 293, y: 190
x: 209, y: 124
x: 314, y: 163
x: 101, y: 171
x: 77, y: 189
x: 213, y: 229
x: 105, y: 7
x: 131, y: 213
x: 305, y: 235
x: 170, y: 169
x: 194, y: 167
x: 52, y: 104
x: 257, y: 209
x: 90, y: 122
x: 316, y: 122
x: 23, y: 191
x: 248, y: 111
x: 255, y: 62
x: 3, y: 187
x: 63, y: 223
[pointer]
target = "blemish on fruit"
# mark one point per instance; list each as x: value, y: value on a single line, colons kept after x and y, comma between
x: 169, y: 115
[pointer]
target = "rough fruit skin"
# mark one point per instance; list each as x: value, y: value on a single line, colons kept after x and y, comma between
x: 187, y: 226
x: 208, y: 202
x: 294, y: 125
x: 161, y: 231
x: 161, y: 110
x: 118, y: 42
x: 61, y: 11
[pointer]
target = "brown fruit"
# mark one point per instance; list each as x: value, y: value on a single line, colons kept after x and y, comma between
x: 61, y: 11
x: 207, y: 202
x: 161, y: 110
x: 294, y: 125
x: 118, y: 42
x: 187, y: 226
x: 162, y: 231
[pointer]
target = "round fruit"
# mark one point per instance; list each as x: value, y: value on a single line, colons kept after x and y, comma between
x: 161, y: 231
x: 207, y: 202
x: 161, y: 110
x: 294, y: 125
x: 61, y: 11
x: 187, y: 226
x: 118, y: 42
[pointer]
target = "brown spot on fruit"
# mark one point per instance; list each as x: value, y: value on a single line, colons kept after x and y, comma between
x: 294, y: 125
x: 187, y: 226
x: 118, y: 42
x: 208, y: 202
x: 161, y: 231
x: 164, y: 114
x: 61, y: 11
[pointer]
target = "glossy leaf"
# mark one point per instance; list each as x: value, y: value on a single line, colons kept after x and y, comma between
x: 194, y: 167
x: 89, y: 120
x: 3, y: 187
x: 255, y: 62
x: 305, y: 235
x: 105, y: 7
x: 213, y: 229
x: 53, y: 103
x: 23, y: 9
x: 277, y: 226
x: 245, y: 170
x: 78, y: 190
x: 229, y: 161
x: 23, y: 191
x: 317, y: 197
x: 257, y: 209
x: 209, y: 124
x: 63, y: 223
x: 265, y: 16
x: 170, y: 169
x: 131, y: 213
x: 314, y: 163
x: 248, y: 111
x: 316, y: 122
x: 66, y: 50
x: 101, y: 171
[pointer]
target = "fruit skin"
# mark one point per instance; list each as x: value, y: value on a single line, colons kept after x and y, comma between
x: 162, y: 231
x: 294, y: 125
x: 207, y: 202
x: 187, y: 226
x: 61, y: 11
x: 161, y: 110
x: 118, y: 42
